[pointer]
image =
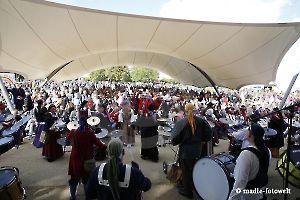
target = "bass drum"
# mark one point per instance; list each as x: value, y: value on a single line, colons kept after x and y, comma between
x: 294, y: 172
x: 10, y: 184
x: 212, y: 176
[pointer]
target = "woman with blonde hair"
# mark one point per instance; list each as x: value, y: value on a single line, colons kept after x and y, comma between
x: 126, y: 116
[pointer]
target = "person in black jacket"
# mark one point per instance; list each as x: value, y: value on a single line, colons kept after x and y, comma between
x: 18, y: 96
x: 39, y: 113
x: 113, y: 172
x: 277, y: 141
x: 52, y: 149
x: 28, y: 101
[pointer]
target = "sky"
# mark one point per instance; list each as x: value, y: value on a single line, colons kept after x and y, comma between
x: 243, y: 11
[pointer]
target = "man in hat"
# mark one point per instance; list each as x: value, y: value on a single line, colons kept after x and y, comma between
x: 190, y: 133
x: 251, y: 170
x: 108, y: 181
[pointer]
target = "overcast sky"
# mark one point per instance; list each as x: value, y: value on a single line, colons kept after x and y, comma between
x: 250, y: 11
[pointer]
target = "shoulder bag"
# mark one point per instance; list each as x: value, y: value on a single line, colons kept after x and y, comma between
x: 44, y: 137
x: 88, y: 165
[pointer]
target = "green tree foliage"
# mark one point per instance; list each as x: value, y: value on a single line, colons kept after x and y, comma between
x: 142, y: 74
x: 98, y: 75
x: 170, y: 80
x: 118, y: 73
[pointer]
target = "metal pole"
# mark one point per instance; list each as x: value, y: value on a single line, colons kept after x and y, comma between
x: 288, y: 154
x: 6, y: 97
x: 288, y: 90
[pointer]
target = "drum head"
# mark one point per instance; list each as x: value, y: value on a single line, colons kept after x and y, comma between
x: 6, y: 177
x: 210, y: 180
x: 295, y: 154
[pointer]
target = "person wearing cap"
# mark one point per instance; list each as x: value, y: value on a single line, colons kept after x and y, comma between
x: 52, y: 149
x: 190, y: 133
x: 251, y: 167
x: 109, y: 180
x: 85, y: 140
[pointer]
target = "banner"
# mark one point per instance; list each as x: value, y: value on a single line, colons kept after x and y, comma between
x: 8, y: 78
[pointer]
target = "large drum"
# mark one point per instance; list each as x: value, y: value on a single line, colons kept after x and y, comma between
x: 213, y: 176
x: 6, y: 144
x: 10, y: 184
x: 294, y: 175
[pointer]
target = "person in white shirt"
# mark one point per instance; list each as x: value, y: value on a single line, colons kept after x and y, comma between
x: 242, y: 133
x: 251, y: 170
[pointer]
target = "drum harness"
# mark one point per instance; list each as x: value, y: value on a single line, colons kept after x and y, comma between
x: 124, y: 184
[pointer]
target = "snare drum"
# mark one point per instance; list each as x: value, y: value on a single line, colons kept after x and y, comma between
x: 213, y: 176
x: 10, y: 184
x: 294, y: 175
x: 6, y: 144
x: 13, y: 132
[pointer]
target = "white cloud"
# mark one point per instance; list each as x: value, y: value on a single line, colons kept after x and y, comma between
x: 250, y: 11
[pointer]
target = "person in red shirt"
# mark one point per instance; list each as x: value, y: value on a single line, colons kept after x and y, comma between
x: 156, y: 103
x: 114, y: 116
x: 2, y: 106
x: 85, y: 140
x: 90, y: 103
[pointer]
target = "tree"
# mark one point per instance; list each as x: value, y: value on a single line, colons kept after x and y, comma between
x: 142, y: 74
x: 118, y: 73
x: 169, y: 80
x: 98, y: 75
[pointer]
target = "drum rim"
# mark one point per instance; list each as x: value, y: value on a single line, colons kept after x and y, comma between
x: 281, y: 174
x: 14, y: 178
x: 213, y: 160
x: 11, y: 140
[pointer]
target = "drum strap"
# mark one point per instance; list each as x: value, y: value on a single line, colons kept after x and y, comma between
x: 124, y: 184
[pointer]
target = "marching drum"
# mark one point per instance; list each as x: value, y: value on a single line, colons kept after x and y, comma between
x: 6, y: 144
x: 212, y: 176
x: 10, y: 184
x: 13, y: 132
x: 294, y: 166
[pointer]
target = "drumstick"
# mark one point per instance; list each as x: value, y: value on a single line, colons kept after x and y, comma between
x: 130, y: 151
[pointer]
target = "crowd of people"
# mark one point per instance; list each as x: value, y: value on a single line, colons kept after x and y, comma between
x: 123, y: 106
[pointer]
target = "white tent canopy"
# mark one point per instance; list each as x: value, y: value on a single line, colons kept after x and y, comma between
x: 38, y: 37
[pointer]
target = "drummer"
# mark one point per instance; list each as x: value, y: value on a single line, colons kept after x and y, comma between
x: 242, y: 134
x: 251, y: 168
x: 190, y: 132
x: 83, y: 144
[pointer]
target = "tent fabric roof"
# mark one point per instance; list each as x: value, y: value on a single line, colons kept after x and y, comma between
x: 39, y: 36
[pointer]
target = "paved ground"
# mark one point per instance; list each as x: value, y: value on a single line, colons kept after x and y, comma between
x: 43, y: 180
